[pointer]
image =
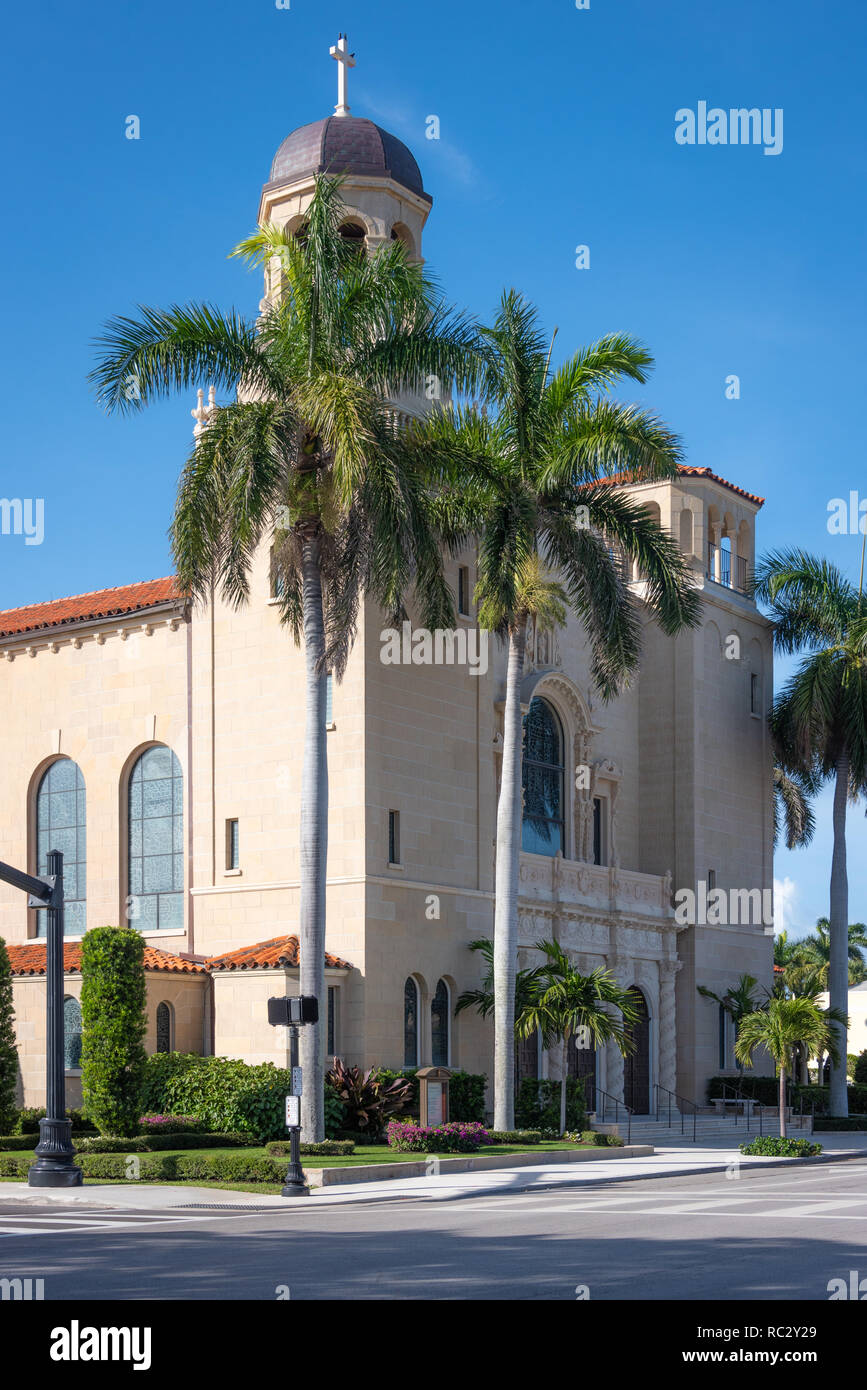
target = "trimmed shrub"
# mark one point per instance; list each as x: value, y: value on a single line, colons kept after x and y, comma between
x: 27, y: 1121
x: 596, y: 1140
x: 772, y: 1146
x: 156, y: 1143
x: 352, y: 1136
x: 281, y: 1148
x: 8, y: 1050
x: 826, y: 1124
x: 764, y: 1089
x: 454, y: 1137
x: 15, y: 1165
x: 227, y: 1095
x: 537, y: 1105
x: 514, y: 1136
x: 466, y: 1093
x: 113, y: 996
x: 13, y: 1143
x: 859, y: 1075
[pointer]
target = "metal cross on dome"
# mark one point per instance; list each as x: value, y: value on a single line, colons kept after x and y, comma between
x: 346, y: 60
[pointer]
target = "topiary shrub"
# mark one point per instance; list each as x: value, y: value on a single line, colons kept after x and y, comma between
x: 773, y: 1146
x: 8, y: 1050
x: 113, y: 995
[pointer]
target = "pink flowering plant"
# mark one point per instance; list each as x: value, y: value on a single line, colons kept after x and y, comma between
x: 169, y: 1124
x: 459, y: 1137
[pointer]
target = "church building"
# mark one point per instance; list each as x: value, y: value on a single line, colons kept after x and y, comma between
x: 157, y: 744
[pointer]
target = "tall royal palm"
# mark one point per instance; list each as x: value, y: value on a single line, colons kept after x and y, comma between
x: 819, y: 723
x: 529, y: 476
x: 310, y: 451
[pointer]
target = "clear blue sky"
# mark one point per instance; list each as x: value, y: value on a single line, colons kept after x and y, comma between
x: 557, y: 129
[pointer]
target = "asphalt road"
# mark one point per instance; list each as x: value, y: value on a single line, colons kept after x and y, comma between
x: 779, y: 1234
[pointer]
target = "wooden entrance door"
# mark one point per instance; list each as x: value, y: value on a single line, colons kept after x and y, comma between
x: 636, y: 1067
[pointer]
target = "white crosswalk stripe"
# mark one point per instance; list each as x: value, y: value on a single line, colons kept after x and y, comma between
x: 62, y: 1223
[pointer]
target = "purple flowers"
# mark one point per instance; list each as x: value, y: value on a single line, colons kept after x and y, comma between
x: 460, y: 1137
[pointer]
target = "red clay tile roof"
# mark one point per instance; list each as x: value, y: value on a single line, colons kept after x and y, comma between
x: 686, y: 470
x: 30, y: 959
x: 268, y: 955
x: 104, y: 603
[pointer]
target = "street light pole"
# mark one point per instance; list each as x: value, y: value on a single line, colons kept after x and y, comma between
x: 54, y: 1166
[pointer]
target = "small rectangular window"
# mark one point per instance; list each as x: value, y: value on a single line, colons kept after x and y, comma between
x: 394, y: 837
x: 329, y: 699
x: 332, y: 1010
x: 597, y: 830
x: 755, y: 694
x: 711, y: 880
x: 233, y: 852
x: 463, y: 591
x: 723, y: 1040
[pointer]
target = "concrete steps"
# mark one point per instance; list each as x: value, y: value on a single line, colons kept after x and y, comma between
x: 646, y: 1129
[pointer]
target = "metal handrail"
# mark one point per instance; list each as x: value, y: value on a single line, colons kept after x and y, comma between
x: 749, y: 1103
x: 672, y: 1095
x: 597, y: 1090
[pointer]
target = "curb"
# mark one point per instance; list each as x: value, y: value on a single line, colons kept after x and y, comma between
x: 469, y: 1163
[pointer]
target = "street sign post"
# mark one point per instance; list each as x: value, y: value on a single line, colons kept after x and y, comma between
x: 54, y: 1152
x: 292, y: 1012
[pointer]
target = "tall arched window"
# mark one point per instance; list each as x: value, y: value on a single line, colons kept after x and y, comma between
x: 410, y: 1023
x: 71, y: 1033
x: 439, y: 1025
x: 543, y: 829
x: 156, y: 842
x: 164, y: 1027
x: 61, y: 824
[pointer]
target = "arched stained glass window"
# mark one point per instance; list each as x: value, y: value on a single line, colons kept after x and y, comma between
x: 156, y: 842
x: 61, y: 824
x: 543, y: 828
x: 410, y: 1023
x: 71, y: 1034
x: 439, y: 1025
x: 164, y: 1027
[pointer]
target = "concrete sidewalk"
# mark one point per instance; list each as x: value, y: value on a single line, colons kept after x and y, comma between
x: 673, y: 1161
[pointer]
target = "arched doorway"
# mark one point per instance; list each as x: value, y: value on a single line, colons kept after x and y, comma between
x: 636, y: 1067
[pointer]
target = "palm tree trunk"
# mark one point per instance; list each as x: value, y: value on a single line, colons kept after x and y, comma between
x: 314, y: 843
x: 782, y: 1101
x: 509, y: 820
x: 564, y: 1069
x: 838, y: 969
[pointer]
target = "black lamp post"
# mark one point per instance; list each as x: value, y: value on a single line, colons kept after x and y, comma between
x: 54, y: 1152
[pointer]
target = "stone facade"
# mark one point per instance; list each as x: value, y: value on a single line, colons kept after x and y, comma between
x: 680, y: 767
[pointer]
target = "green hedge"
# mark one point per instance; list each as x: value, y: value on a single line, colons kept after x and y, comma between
x: 158, y: 1143
x: 835, y: 1124
x: 515, y: 1136
x: 27, y: 1121
x: 537, y: 1105
x: 281, y: 1148
x: 188, y: 1167
x: 227, y: 1094
x: 466, y: 1093
x: 8, y: 1050
x: 11, y: 1143
x: 597, y: 1140
x: 766, y: 1090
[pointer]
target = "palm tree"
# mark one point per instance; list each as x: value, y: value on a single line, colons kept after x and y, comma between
x: 529, y: 476
x: 310, y: 448
x: 738, y: 1002
x: 813, y: 958
x: 569, y: 1000
x: 784, y: 1025
x: 792, y: 810
x: 819, y: 723
x: 527, y: 987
